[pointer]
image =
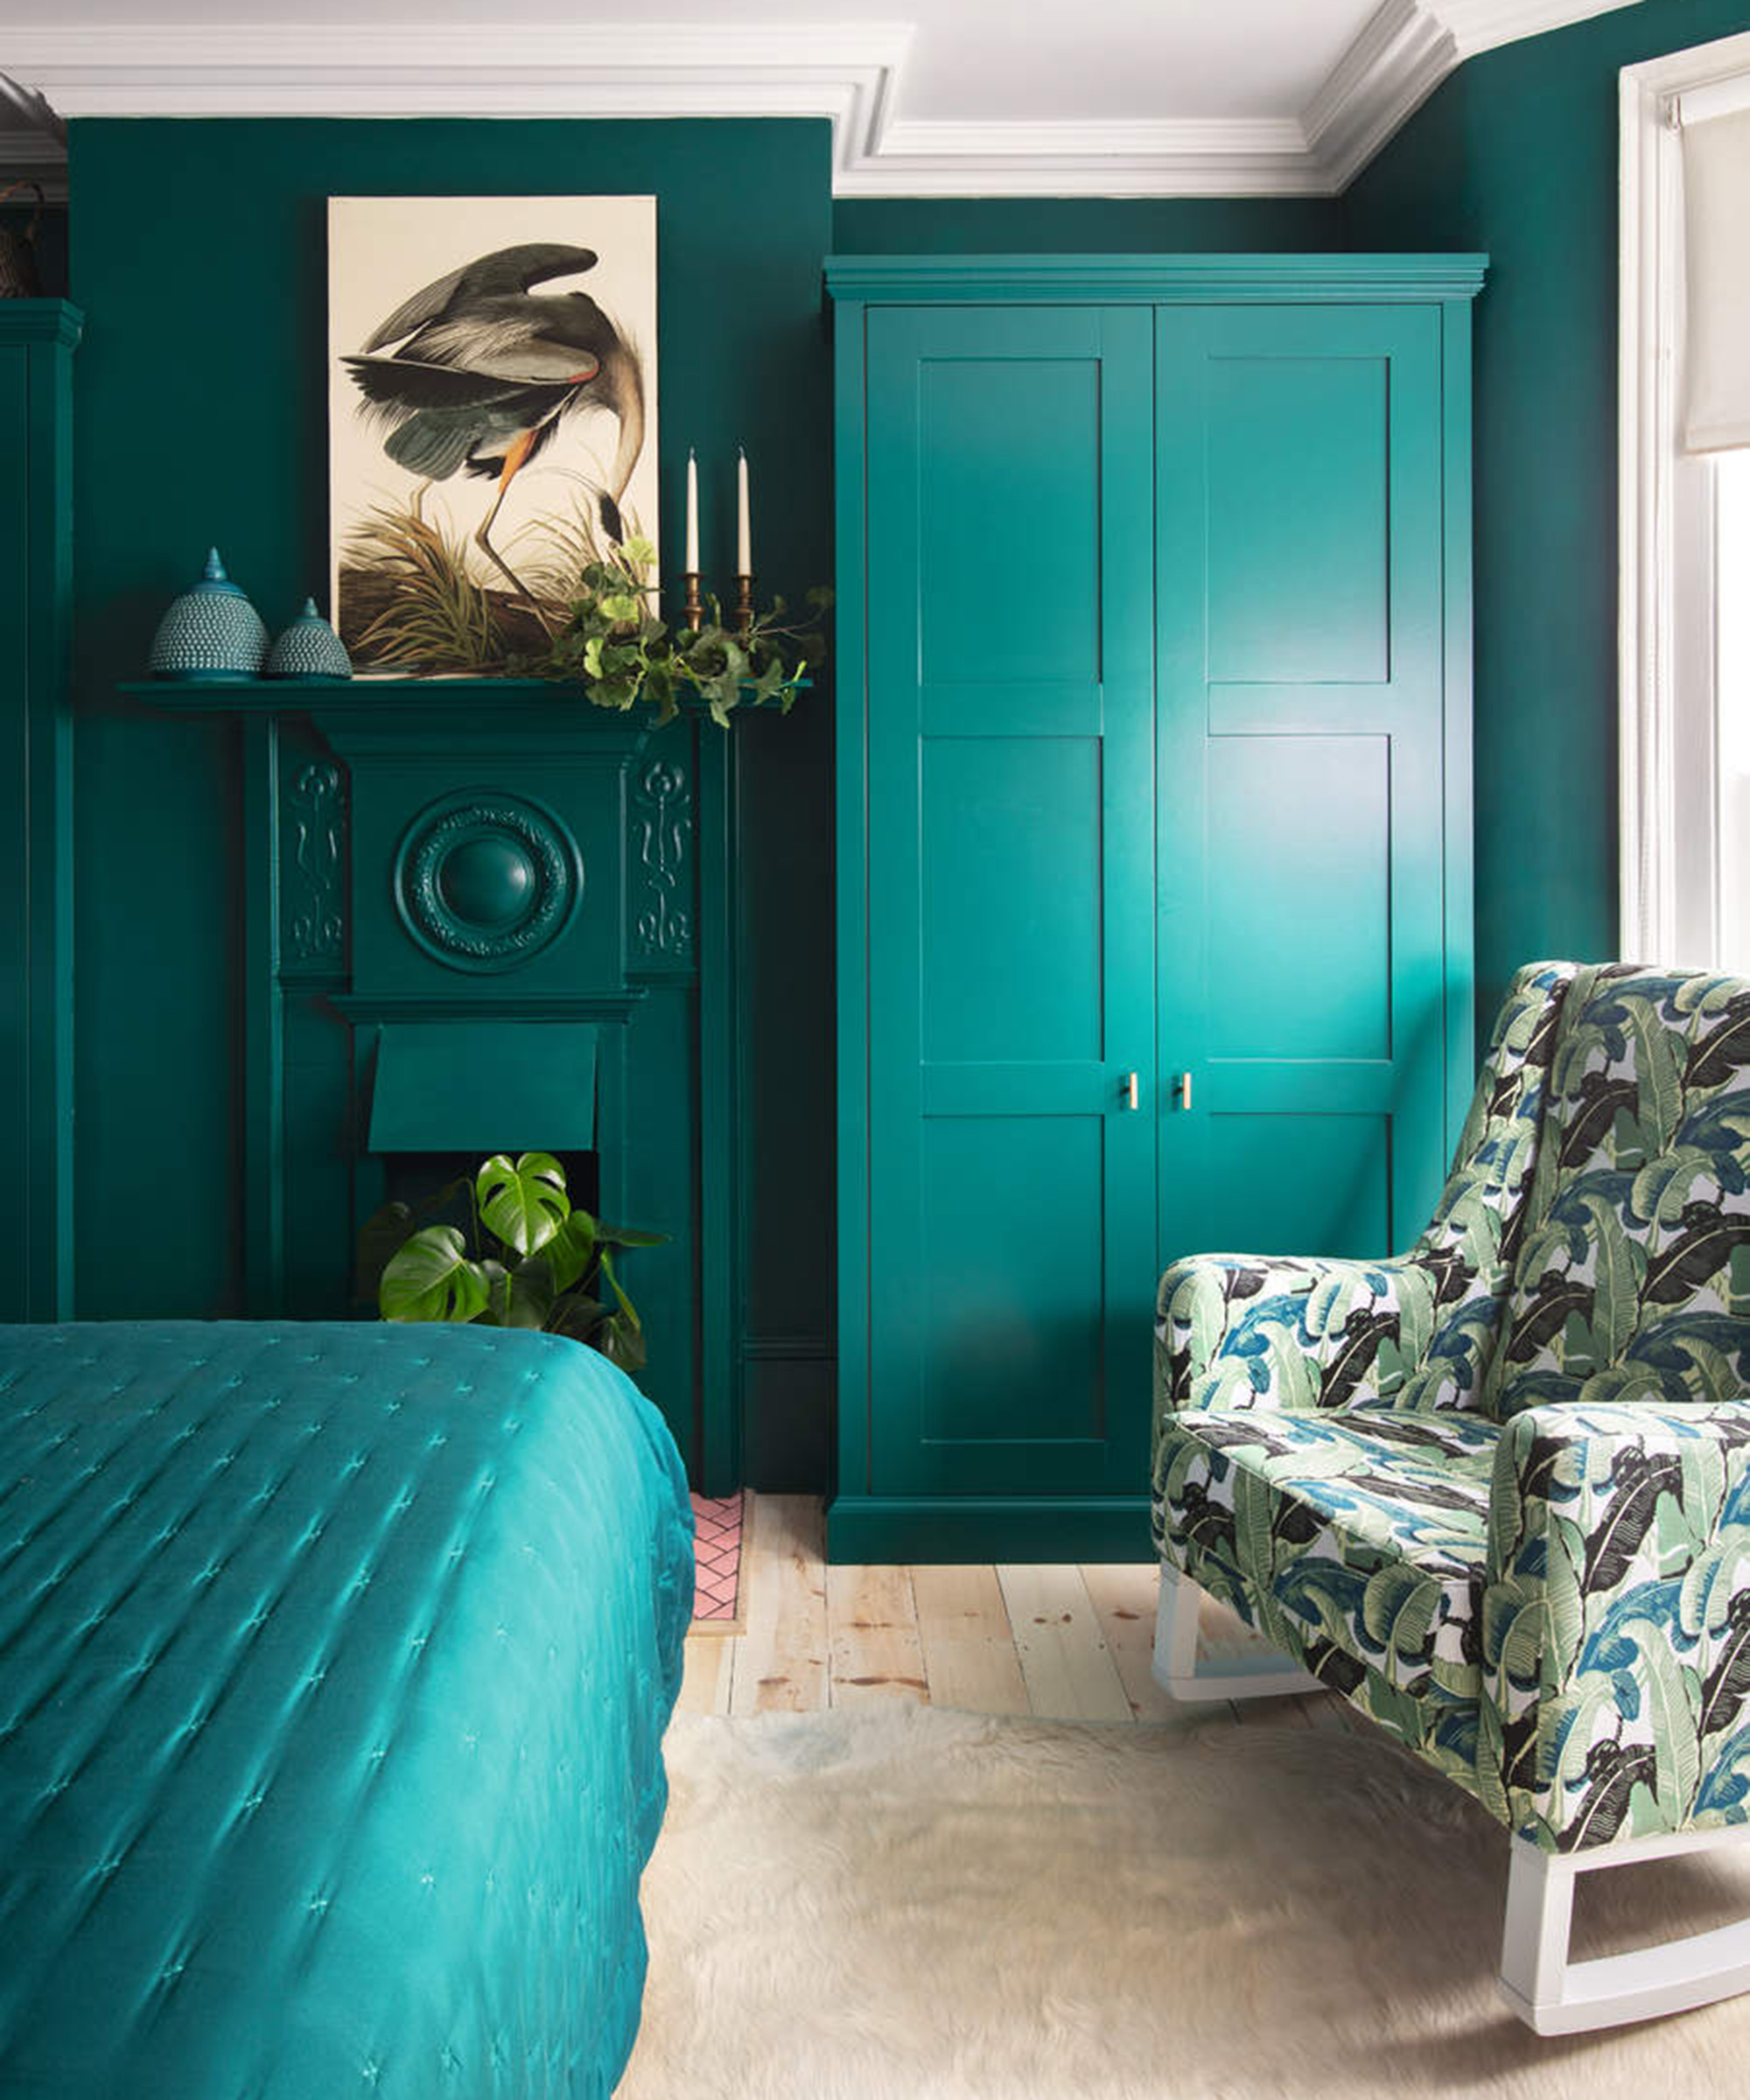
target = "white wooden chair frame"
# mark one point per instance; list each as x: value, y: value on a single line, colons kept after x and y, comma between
x: 1549, y: 1993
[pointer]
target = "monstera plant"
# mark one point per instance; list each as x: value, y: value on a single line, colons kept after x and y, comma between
x: 520, y: 1257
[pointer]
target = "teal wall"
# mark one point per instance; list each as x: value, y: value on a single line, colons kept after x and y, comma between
x: 202, y: 418
x: 1516, y: 154
x: 1052, y: 225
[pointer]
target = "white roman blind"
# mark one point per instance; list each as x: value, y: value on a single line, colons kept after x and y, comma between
x: 1716, y: 270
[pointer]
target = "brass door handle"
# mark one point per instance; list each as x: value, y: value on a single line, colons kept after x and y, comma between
x: 1127, y: 1086
x: 1181, y: 1086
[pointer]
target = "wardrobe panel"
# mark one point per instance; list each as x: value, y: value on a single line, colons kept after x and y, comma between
x: 1300, y: 918
x: 1011, y: 899
x: 1011, y: 1361
x: 1009, y: 857
x: 1302, y: 929
x: 1327, y: 1178
x: 1009, y: 516
x: 1300, y: 518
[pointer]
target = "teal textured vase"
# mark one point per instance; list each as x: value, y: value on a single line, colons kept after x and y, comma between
x: 210, y: 633
x: 308, y: 648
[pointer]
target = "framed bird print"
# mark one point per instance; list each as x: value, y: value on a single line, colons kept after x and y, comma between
x: 492, y: 419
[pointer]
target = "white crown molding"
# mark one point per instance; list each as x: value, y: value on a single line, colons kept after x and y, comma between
x: 850, y: 74
x: 32, y: 156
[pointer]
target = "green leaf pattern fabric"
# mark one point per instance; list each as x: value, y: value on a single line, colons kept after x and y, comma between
x: 1412, y: 1332
x: 1616, y: 1623
x: 1632, y: 1284
x: 1368, y: 1528
x: 1497, y: 1491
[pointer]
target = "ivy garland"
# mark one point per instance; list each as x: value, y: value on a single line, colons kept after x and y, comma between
x: 616, y: 647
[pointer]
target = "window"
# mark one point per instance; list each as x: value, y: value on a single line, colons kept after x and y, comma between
x: 1731, y: 703
x: 1685, y: 509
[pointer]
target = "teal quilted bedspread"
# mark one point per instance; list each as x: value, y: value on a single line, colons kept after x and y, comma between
x: 334, y: 1664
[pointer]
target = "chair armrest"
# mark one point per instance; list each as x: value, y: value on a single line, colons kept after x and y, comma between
x: 1616, y: 1622
x: 1235, y: 1331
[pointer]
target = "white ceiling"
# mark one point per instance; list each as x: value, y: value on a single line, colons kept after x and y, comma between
x: 955, y: 97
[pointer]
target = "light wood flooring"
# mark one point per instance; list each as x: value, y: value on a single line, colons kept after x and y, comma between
x: 1064, y: 1643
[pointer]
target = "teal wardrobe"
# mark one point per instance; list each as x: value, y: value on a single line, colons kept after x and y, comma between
x: 1153, y: 823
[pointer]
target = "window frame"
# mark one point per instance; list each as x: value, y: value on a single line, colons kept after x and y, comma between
x: 1668, y: 761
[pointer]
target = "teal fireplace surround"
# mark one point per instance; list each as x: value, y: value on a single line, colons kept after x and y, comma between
x: 472, y: 922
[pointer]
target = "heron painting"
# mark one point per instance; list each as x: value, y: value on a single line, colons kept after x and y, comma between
x: 492, y: 418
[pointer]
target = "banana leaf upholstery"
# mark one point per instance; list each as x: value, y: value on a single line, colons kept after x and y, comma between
x: 1497, y: 1491
x: 1413, y: 1332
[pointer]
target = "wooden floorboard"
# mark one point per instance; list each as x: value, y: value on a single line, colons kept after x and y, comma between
x: 780, y: 1664
x: 873, y: 1637
x: 1123, y: 1598
x: 969, y: 1647
x: 1069, y: 1672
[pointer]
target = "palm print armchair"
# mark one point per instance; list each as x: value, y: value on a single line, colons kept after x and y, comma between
x: 1496, y: 1492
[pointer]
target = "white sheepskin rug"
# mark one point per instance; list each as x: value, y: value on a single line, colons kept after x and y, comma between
x: 898, y: 1903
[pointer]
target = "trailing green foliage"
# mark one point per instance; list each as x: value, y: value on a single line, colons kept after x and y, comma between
x: 620, y: 652
x: 524, y: 1257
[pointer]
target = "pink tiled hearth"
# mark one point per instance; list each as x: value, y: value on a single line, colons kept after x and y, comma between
x: 719, y: 1525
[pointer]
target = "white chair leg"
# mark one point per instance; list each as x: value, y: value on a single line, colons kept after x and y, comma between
x: 1559, y: 1997
x: 1179, y: 1670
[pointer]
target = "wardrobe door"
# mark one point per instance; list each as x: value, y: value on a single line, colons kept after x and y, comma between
x: 1009, y: 874
x: 1302, y: 911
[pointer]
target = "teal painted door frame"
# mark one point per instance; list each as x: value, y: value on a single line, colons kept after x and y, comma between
x: 38, y: 338
x: 1263, y: 703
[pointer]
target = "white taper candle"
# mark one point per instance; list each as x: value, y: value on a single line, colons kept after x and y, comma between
x: 692, y: 564
x: 743, y: 537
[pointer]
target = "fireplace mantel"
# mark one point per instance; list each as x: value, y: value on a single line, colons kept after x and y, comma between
x: 460, y: 850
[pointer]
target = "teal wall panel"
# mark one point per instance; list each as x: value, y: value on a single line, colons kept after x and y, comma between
x: 1051, y: 226
x: 1516, y: 153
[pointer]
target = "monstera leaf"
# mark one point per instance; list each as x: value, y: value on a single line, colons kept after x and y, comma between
x: 570, y: 1250
x: 431, y: 1277
x: 524, y: 1201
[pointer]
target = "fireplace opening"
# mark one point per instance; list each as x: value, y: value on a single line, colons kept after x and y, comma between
x: 415, y: 1178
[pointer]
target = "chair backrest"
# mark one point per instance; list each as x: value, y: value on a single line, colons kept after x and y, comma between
x: 1475, y: 1234
x: 1631, y: 1282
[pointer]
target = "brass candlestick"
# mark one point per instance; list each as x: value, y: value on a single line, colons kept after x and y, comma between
x: 743, y: 604
x: 692, y: 609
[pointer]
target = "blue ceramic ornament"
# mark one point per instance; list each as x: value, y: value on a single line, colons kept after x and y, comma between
x: 210, y: 633
x: 309, y: 648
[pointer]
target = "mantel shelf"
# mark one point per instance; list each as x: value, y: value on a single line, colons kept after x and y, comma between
x: 258, y: 697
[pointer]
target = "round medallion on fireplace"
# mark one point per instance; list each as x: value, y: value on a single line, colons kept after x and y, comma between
x: 487, y: 881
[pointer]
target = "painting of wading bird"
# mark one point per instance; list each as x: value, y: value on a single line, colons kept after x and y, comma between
x: 493, y: 417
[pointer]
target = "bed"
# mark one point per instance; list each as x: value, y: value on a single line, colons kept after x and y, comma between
x: 334, y: 1665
